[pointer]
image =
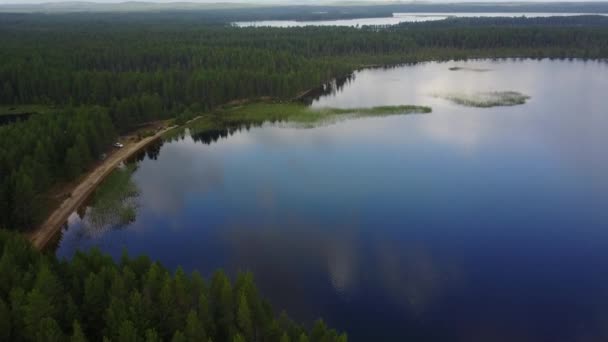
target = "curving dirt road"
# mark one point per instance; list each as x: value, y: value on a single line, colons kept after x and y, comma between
x: 51, y: 227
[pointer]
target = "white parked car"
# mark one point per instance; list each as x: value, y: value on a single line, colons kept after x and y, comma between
x: 119, y: 145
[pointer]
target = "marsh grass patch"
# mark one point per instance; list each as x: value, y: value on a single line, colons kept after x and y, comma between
x: 486, y: 99
x: 298, y: 113
x: 225, y: 121
x: 459, y: 68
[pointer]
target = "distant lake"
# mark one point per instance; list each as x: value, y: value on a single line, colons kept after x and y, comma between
x: 465, y: 224
x: 396, y: 19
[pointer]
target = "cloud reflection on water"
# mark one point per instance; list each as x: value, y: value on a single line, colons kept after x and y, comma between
x: 406, y: 220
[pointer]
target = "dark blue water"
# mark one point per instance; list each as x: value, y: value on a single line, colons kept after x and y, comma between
x: 466, y: 224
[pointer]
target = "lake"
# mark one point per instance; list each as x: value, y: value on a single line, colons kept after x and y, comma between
x: 396, y: 19
x: 464, y: 224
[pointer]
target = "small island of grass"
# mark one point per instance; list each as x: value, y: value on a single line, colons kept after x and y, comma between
x: 486, y: 99
x: 309, y: 116
x: 458, y: 68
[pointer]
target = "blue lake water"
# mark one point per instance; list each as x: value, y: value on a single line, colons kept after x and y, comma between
x: 465, y: 224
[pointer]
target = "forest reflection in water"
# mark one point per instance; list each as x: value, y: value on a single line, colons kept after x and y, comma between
x: 113, y: 205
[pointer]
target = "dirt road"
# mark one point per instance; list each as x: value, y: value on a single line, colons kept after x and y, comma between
x: 51, y: 227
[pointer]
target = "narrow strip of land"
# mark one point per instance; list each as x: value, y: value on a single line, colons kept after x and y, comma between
x: 51, y: 227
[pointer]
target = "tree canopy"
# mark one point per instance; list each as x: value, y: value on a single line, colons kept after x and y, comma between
x: 94, y: 298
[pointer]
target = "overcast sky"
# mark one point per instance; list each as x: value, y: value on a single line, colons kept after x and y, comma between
x: 272, y: 1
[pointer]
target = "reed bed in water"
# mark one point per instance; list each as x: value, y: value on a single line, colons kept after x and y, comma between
x: 486, y: 99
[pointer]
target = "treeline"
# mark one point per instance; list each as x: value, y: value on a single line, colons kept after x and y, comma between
x: 93, y: 298
x: 204, y: 12
x: 37, y: 153
x: 184, y: 65
x: 121, y: 74
x: 506, y: 22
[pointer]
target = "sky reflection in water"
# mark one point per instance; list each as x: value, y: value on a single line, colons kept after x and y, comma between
x: 466, y: 224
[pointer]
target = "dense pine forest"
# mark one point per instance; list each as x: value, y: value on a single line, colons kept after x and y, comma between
x: 101, y: 75
x: 92, y: 298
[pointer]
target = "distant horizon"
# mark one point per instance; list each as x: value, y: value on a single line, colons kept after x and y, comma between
x: 284, y: 2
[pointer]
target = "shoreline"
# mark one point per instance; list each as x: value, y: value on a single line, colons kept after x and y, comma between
x: 45, y: 232
x: 51, y: 226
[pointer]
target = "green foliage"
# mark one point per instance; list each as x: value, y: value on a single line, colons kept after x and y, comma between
x: 135, y: 300
x: 77, y: 333
x: 194, y: 330
x: 22, y: 109
x: 5, y: 321
x: 145, y: 134
x: 43, y: 150
x: 114, y: 201
x: 127, y: 332
x: 49, y: 331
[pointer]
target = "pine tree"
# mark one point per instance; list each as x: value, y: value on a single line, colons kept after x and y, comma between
x: 204, y: 314
x: 166, y: 307
x: 72, y: 312
x: 152, y: 336
x: 318, y: 331
x: 38, y: 307
x: 244, y: 317
x: 77, y: 334
x: 238, y: 338
x: 94, y: 303
x: 49, y: 331
x: 18, y: 304
x: 179, y: 337
x: 223, y: 307
x: 194, y: 329
x: 5, y: 321
x: 137, y: 311
x: 115, y: 316
x: 127, y: 332
x: 285, y: 338
x: 24, y: 200
x: 49, y: 286
x: 7, y: 93
x: 182, y: 298
x: 73, y: 162
x: 8, y: 272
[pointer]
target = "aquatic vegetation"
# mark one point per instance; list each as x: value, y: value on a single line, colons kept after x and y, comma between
x: 222, y: 123
x: 114, y: 202
x: 289, y: 113
x: 301, y: 114
x: 486, y: 99
x: 457, y: 68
